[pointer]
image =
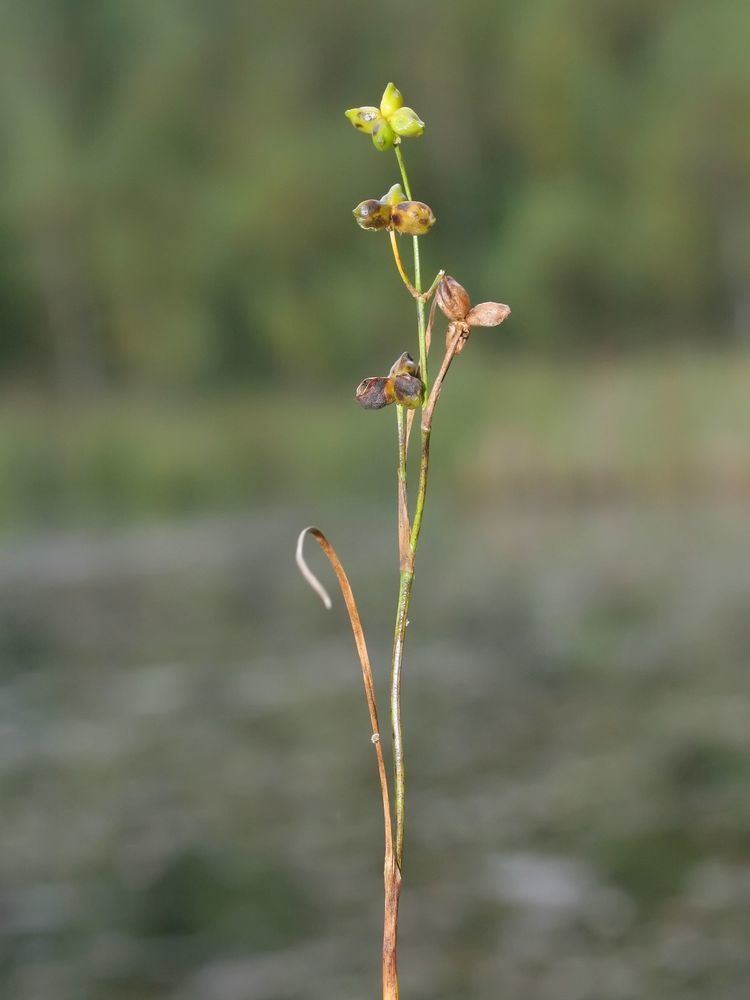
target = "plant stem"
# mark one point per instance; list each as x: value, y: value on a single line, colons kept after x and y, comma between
x: 425, y: 296
x: 403, y: 505
x: 424, y: 464
x: 400, y: 266
x: 399, y: 784
x: 391, y: 871
x: 406, y: 560
x: 417, y: 278
x: 408, y: 541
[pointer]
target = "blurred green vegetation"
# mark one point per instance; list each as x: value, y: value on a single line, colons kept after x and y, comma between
x: 525, y: 429
x: 178, y: 177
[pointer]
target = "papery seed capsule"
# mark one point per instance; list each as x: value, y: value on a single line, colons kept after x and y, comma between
x: 375, y: 393
x: 412, y: 218
x: 453, y: 298
x: 372, y: 214
x: 364, y: 119
x: 488, y: 314
x: 408, y: 391
x: 382, y: 135
x: 394, y: 195
x: 391, y: 100
x: 406, y: 122
x: 405, y: 365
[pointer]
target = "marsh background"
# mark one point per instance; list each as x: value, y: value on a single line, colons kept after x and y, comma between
x: 189, y: 805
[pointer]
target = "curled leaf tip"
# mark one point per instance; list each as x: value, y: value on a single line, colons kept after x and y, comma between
x: 305, y: 570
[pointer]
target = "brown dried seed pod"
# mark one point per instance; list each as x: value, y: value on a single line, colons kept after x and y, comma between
x: 405, y: 365
x: 453, y: 298
x: 488, y: 314
x: 408, y: 391
x: 375, y: 393
x: 412, y: 218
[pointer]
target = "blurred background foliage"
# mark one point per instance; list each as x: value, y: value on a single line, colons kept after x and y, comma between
x: 178, y: 177
x: 175, y: 228
x: 186, y: 306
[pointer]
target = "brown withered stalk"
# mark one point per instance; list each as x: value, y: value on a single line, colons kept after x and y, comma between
x: 408, y: 387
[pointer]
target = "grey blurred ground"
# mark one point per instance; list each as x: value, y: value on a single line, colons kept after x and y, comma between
x: 190, y: 805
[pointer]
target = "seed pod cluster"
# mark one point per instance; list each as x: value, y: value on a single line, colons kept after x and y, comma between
x: 411, y: 218
x: 389, y: 123
x: 401, y: 385
x: 455, y: 303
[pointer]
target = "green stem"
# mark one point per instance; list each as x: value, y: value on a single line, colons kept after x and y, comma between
x: 424, y: 468
x: 426, y: 296
x: 404, y: 551
x: 402, y: 609
x: 408, y: 541
x: 417, y: 279
x: 400, y: 266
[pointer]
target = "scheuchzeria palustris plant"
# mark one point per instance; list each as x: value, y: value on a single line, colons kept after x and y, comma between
x: 407, y: 386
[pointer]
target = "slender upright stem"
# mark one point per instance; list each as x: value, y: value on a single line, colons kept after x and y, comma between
x: 425, y: 296
x: 406, y: 576
x: 399, y: 771
x: 408, y: 541
x: 427, y: 411
x: 417, y: 278
x: 403, y: 503
x: 400, y: 266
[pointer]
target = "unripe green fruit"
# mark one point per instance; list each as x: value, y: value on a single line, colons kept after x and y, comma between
x: 394, y: 195
x: 382, y: 135
x: 391, y: 100
x: 406, y: 122
x: 364, y: 119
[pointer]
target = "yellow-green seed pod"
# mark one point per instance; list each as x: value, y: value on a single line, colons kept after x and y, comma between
x: 412, y: 218
x: 375, y: 393
x: 408, y: 391
x: 364, y: 119
x: 394, y: 195
x: 406, y: 122
x: 372, y: 214
x: 405, y: 365
x: 382, y: 135
x: 391, y: 100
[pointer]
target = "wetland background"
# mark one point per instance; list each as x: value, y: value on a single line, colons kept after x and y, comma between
x: 190, y: 809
